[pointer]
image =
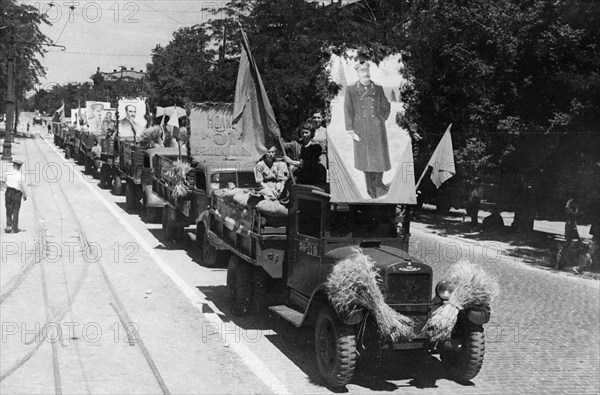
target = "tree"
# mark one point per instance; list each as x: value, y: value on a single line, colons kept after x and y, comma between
x: 179, y: 70
x: 519, y: 76
x: 20, y: 24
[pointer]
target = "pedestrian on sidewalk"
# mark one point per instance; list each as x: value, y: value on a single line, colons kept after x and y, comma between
x: 15, y: 190
x: 571, y: 232
x: 49, y: 129
x: 475, y: 201
x: 28, y: 125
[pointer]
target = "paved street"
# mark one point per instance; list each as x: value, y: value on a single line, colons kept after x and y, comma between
x: 543, y: 336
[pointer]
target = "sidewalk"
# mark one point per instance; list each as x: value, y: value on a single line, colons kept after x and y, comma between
x: 536, y: 249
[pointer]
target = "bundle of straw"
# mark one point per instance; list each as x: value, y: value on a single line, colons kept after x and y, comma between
x: 353, y: 285
x: 472, y: 287
x: 177, y: 174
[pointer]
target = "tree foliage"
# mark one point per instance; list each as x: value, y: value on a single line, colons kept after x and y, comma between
x: 519, y: 76
x: 20, y: 30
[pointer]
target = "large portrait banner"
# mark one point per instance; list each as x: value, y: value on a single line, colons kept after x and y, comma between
x: 132, y: 121
x: 370, y: 156
x: 93, y: 111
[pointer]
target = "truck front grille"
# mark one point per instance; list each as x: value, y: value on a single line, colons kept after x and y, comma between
x: 408, y: 288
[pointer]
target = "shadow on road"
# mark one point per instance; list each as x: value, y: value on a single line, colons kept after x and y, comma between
x: 374, y: 371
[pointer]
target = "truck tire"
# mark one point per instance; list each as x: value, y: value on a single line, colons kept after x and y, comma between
x: 464, y: 365
x: 117, y: 187
x: 239, y: 285
x: 86, y: 165
x: 153, y: 215
x: 130, y: 202
x: 261, y: 282
x: 209, y: 255
x: 167, y: 228
x: 103, y: 179
x: 335, y: 348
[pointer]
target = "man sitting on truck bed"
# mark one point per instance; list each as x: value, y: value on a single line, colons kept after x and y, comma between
x: 271, y: 174
x: 310, y: 171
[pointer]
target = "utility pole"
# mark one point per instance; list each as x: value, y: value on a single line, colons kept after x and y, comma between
x: 10, y: 100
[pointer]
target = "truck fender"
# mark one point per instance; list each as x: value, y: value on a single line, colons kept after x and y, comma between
x: 319, y: 298
x: 202, y: 219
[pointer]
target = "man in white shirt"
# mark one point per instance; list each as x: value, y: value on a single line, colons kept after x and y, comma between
x: 15, y: 190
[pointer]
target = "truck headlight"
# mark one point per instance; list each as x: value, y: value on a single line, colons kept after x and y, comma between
x: 444, y: 289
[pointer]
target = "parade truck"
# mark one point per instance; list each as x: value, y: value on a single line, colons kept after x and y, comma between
x: 216, y: 157
x: 291, y: 257
x: 135, y: 170
x: 334, y: 255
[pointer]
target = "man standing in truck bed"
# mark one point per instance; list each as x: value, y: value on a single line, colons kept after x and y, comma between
x: 366, y: 109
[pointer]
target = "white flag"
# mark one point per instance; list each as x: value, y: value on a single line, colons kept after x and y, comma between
x: 442, y: 160
x: 174, y: 119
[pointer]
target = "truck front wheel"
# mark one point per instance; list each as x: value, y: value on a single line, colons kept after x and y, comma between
x: 117, y: 187
x: 465, y: 364
x: 239, y: 285
x: 335, y: 347
x: 209, y: 255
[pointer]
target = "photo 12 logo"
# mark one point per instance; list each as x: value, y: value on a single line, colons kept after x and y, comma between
x: 89, y: 11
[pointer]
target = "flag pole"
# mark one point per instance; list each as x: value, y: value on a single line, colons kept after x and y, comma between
x: 421, y: 178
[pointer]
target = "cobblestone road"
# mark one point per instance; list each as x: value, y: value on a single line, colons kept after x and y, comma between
x: 544, y: 331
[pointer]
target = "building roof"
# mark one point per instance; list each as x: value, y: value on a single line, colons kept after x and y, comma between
x: 125, y: 73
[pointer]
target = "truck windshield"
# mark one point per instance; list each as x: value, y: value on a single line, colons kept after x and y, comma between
x: 242, y: 179
x: 362, y: 221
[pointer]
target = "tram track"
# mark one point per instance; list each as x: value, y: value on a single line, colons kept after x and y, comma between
x: 70, y: 226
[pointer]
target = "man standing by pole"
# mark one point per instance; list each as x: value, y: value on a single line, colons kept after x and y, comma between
x: 15, y: 190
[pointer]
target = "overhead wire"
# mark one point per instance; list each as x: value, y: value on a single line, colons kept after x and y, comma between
x: 66, y: 22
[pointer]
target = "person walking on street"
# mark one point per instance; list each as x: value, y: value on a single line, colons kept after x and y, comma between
x: 474, y: 202
x: 28, y: 126
x: 15, y: 190
x: 571, y: 232
x: 49, y: 129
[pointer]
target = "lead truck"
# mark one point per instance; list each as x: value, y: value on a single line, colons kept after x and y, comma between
x: 286, y: 253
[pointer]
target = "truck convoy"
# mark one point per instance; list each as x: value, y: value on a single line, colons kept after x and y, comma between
x: 280, y: 255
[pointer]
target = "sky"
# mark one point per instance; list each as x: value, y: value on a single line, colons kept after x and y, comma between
x: 111, y: 33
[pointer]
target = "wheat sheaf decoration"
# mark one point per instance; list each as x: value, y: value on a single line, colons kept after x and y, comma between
x: 177, y: 174
x: 472, y: 287
x: 353, y: 285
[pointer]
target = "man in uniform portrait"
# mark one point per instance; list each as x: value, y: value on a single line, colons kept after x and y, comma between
x: 366, y: 109
x: 95, y: 119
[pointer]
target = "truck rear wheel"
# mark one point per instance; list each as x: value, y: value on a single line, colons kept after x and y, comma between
x: 335, y: 347
x: 167, y: 226
x: 153, y: 215
x: 260, y: 283
x: 117, y: 187
x: 239, y: 285
x: 130, y: 196
x: 209, y: 255
x: 465, y: 364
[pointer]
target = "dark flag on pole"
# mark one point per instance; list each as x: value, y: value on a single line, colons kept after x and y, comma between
x: 59, y: 115
x: 252, y: 112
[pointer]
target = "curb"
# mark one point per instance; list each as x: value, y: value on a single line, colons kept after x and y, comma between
x: 595, y: 276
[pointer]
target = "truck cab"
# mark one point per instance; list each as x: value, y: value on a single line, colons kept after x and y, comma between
x: 293, y: 255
